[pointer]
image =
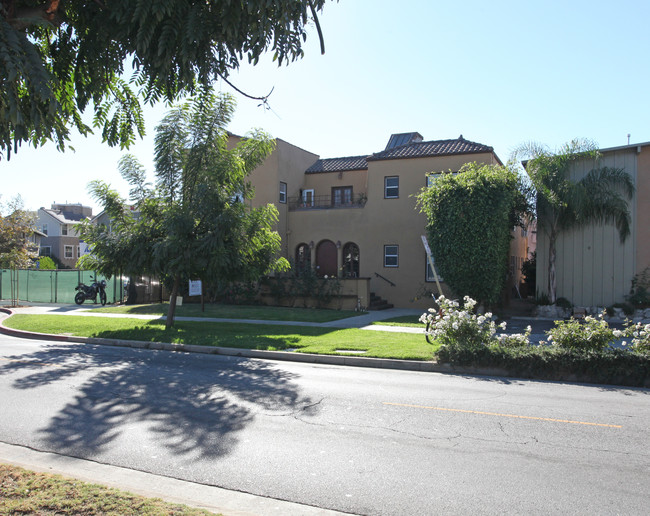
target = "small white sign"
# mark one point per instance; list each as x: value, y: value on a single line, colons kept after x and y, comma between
x: 195, y: 288
x: 426, y: 245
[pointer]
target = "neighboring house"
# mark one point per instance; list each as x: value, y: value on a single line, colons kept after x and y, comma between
x: 356, y: 217
x: 593, y: 267
x: 57, y: 224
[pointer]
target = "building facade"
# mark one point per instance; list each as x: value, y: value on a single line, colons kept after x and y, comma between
x: 593, y: 267
x: 356, y: 217
x: 57, y: 224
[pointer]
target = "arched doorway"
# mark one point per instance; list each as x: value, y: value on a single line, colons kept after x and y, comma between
x: 303, y: 257
x: 350, y: 260
x: 326, y: 259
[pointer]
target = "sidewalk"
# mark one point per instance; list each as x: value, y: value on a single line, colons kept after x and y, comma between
x: 214, y: 499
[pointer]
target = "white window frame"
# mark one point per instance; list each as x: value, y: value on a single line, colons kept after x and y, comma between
x: 65, y: 252
x: 388, y: 187
x: 283, y: 192
x: 394, y: 254
x: 44, y: 229
x: 64, y: 230
x: 308, y: 201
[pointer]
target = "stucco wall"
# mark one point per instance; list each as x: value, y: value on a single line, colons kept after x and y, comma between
x: 381, y: 222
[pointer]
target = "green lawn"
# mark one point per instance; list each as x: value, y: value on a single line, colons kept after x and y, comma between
x: 27, y: 492
x: 217, y: 311
x: 412, y: 321
x: 302, y: 339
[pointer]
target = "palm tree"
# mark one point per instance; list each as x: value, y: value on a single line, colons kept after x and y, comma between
x: 562, y: 204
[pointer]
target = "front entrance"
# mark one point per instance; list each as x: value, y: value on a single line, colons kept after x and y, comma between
x: 326, y: 259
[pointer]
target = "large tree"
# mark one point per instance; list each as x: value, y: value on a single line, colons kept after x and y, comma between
x: 59, y: 57
x: 196, y: 223
x: 470, y: 216
x: 17, y: 251
x: 563, y: 203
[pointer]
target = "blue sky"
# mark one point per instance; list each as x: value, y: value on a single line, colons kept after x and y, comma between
x: 500, y: 73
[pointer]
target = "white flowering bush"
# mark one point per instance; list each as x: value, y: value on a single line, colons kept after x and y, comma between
x: 640, y: 334
x: 591, y: 335
x: 515, y: 340
x: 452, y: 325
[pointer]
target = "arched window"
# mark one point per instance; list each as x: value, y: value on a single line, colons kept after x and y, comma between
x: 350, y: 260
x: 303, y: 257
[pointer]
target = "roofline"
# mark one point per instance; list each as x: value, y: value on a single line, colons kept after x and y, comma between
x: 623, y: 147
x: 608, y: 149
x: 491, y: 151
x: 64, y: 221
x: 335, y: 171
x: 47, y: 211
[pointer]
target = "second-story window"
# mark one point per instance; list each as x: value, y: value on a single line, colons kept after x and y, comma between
x: 341, y: 196
x: 283, y: 193
x: 45, y: 229
x: 391, y: 187
x: 64, y: 229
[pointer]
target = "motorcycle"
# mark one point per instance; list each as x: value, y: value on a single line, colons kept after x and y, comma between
x: 90, y: 292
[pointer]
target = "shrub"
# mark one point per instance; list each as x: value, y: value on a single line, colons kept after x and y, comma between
x: 46, y: 263
x: 640, y: 291
x: 611, y: 366
x: 529, y: 271
x: 453, y: 326
x: 470, y: 216
x: 303, y: 283
x: 640, y: 334
x: 580, y: 352
x: 592, y: 335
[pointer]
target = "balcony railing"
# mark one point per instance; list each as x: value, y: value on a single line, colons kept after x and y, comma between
x: 326, y: 202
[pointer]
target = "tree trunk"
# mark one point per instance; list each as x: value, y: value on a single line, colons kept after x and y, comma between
x: 132, y: 293
x: 172, y: 303
x: 551, y: 268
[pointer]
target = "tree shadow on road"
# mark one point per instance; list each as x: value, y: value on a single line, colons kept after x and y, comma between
x: 194, y: 405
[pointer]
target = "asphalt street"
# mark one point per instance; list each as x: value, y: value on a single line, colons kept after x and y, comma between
x: 355, y: 440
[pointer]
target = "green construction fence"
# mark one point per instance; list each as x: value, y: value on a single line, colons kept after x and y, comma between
x: 53, y: 286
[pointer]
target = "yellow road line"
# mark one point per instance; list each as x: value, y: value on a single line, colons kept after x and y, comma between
x: 504, y: 415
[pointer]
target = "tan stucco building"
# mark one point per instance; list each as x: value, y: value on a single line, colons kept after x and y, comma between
x: 593, y: 267
x: 355, y: 217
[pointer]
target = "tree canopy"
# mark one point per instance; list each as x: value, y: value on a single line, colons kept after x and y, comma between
x: 470, y: 216
x: 17, y: 251
x: 601, y: 196
x: 59, y: 57
x: 195, y: 223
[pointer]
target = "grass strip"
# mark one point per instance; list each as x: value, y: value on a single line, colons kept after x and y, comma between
x: 28, y: 492
x: 302, y: 339
x: 217, y: 311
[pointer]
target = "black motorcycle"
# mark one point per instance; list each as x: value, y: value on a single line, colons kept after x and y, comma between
x: 90, y: 292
